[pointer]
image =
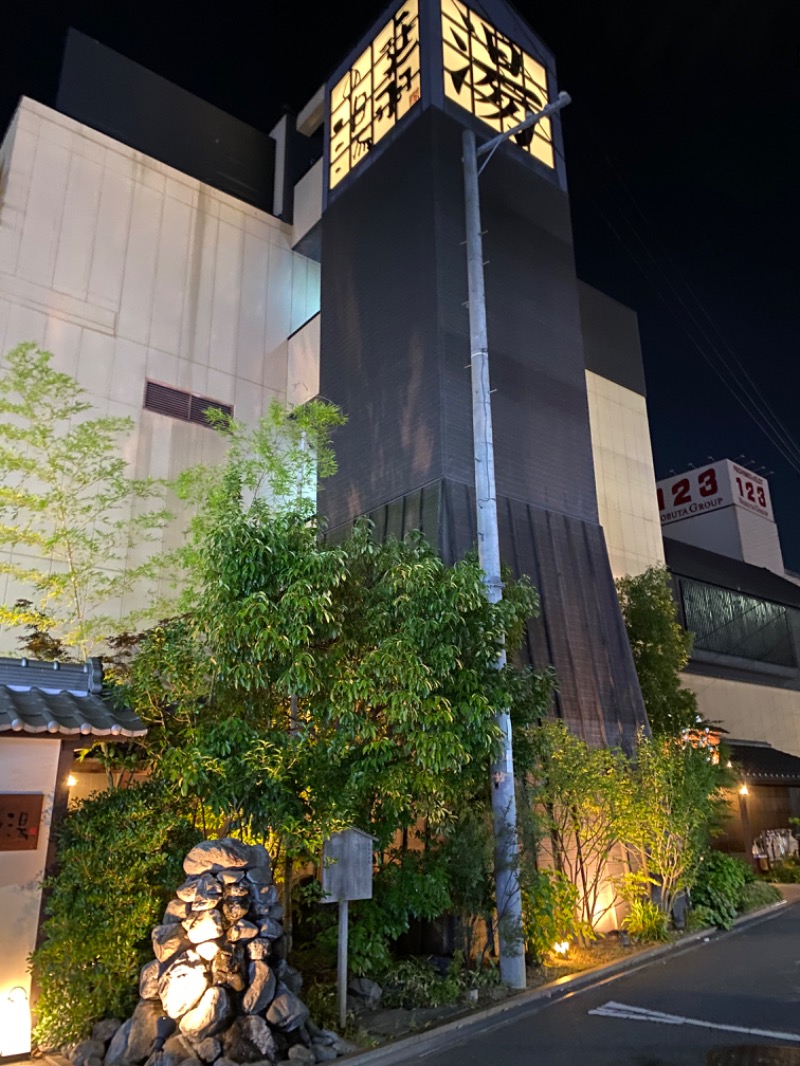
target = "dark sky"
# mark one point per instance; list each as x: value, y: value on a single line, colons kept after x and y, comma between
x: 683, y: 155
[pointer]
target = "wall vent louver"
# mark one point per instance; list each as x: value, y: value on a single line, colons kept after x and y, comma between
x: 164, y: 400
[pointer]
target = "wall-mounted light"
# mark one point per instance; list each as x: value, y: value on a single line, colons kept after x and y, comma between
x: 744, y: 791
x: 72, y: 781
x: 15, y: 1022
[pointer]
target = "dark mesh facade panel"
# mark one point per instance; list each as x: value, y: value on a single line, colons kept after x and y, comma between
x: 118, y: 97
x: 730, y: 623
x: 611, y: 339
x: 395, y: 356
x: 579, y: 631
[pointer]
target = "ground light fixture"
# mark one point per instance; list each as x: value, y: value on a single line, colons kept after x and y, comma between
x: 15, y: 1022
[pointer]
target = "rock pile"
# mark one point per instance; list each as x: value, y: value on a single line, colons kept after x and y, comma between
x: 219, y: 989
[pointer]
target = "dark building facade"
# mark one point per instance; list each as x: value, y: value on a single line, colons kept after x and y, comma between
x: 395, y: 347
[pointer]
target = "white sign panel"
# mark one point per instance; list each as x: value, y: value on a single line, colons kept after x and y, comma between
x: 695, y: 492
x: 750, y: 491
x: 710, y: 488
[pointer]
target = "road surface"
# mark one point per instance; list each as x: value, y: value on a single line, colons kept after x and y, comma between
x: 737, y: 989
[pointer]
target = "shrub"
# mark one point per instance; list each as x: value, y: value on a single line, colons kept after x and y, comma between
x: 550, y: 905
x: 719, y: 884
x: 786, y: 872
x: 119, y: 860
x: 645, y: 921
x: 416, y: 983
x: 699, y: 917
x: 322, y: 999
x: 758, y: 894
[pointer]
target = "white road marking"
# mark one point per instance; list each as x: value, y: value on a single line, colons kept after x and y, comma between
x: 642, y: 1014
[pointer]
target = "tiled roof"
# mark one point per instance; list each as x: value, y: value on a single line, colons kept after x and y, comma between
x: 763, y: 764
x: 60, y: 699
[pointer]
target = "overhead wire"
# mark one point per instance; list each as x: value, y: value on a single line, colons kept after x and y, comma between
x: 753, y: 402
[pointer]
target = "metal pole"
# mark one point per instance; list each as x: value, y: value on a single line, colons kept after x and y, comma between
x: 341, y: 974
x: 504, y: 807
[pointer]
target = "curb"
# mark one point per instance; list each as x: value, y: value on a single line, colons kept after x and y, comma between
x: 404, y: 1048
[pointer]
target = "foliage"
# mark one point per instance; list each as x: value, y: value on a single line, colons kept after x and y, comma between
x: 550, y: 906
x: 757, y: 894
x: 322, y: 1000
x: 96, y: 929
x: 417, y: 983
x: 465, y: 850
x: 785, y: 872
x: 699, y: 918
x: 719, y: 886
x: 645, y: 921
x: 661, y: 649
x: 408, y: 884
x: 308, y: 685
x: 70, y: 514
x: 576, y: 793
x: 673, y: 804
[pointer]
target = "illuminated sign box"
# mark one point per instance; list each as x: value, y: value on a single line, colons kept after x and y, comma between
x: 479, y: 68
x: 493, y: 78
x: 375, y: 93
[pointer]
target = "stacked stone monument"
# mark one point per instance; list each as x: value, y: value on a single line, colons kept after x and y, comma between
x: 219, y: 989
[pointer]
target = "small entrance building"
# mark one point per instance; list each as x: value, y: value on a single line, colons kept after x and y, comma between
x: 47, y: 712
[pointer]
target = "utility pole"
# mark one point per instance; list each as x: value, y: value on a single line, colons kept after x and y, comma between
x: 504, y: 806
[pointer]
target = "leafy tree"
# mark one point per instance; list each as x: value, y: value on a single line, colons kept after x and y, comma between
x: 576, y: 794
x: 673, y: 806
x: 661, y: 649
x: 308, y: 685
x: 69, y: 512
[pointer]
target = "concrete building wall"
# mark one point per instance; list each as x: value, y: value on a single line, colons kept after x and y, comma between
x: 760, y: 542
x: 750, y: 712
x: 128, y: 270
x: 27, y: 764
x: 624, y: 475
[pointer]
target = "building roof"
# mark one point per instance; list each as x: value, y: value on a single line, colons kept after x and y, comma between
x: 762, y: 764
x: 686, y: 560
x: 60, y: 699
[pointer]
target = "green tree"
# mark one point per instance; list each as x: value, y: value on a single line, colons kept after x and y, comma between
x: 307, y: 684
x: 672, y: 808
x: 70, y: 515
x: 661, y: 649
x: 575, y: 793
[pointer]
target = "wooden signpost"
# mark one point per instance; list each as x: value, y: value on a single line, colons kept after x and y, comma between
x: 346, y: 875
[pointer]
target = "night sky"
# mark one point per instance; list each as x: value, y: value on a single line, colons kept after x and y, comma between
x: 683, y: 155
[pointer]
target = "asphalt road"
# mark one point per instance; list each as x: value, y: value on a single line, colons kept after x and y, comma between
x: 748, y: 978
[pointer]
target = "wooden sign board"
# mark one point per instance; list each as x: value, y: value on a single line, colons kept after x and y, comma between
x: 20, y: 820
x: 347, y: 866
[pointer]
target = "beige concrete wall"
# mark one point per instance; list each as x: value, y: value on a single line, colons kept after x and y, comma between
x: 127, y: 270
x: 26, y: 765
x: 750, y: 712
x: 307, y: 202
x: 624, y: 476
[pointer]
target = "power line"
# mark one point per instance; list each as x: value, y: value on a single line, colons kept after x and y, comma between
x: 753, y: 401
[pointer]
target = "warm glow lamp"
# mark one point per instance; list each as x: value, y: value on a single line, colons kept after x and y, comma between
x: 15, y: 1022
